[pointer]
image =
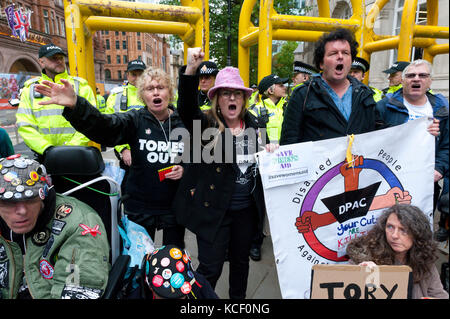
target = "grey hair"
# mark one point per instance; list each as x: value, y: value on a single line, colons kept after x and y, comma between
x: 417, y: 63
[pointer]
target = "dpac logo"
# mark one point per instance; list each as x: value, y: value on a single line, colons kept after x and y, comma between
x: 348, y: 211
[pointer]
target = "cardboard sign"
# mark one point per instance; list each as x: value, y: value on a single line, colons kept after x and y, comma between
x: 359, y: 282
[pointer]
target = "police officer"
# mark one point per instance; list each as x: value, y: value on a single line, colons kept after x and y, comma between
x: 270, y: 109
x: 101, y: 103
x: 358, y: 70
x: 395, y: 77
x: 124, y: 99
x: 207, y: 77
x: 42, y: 127
x: 302, y: 73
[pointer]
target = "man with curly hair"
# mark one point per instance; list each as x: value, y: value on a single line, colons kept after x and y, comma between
x: 402, y: 236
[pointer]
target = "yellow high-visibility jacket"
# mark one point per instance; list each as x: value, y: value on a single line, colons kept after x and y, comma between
x: 275, y: 116
x: 42, y: 126
x: 114, y: 105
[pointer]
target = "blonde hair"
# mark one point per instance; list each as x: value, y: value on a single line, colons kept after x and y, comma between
x: 159, y: 75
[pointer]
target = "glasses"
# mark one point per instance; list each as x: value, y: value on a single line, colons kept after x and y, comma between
x: 152, y: 88
x: 227, y: 94
x: 413, y: 75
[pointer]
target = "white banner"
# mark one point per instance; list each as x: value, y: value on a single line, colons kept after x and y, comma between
x: 312, y: 220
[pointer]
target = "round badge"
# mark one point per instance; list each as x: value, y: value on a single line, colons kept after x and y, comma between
x: 185, y: 258
x: 20, y: 188
x: 28, y: 193
x: 20, y: 164
x: 8, y: 195
x: 167, y: 273
x: 17, y: 195
x: 165, y: 262
x: 154, y: 261
x: 186, y: 288
x: 16, y: 181
x: 13, y: 157
x: 41, y: 193
x: 180, y: 266
x: 40, y: 238
x: 29, y: 182
x: 166, y: 284
x: 4, y: 171
x: 176, y: 253
x: 157, y: 281
x: 2, y: 190
x: 8, y: 164
x: 34, y: 176
x: 190, y: 274
x: 10, y: 176
x: 177, y: 280
x: 46, y: 269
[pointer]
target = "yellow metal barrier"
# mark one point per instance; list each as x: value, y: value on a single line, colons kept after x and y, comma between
x: 274, y: 26
x: 82, y: 17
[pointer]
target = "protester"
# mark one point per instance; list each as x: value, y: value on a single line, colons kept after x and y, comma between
x: 220, y: 198
x: 6, y: 146
x: 328, y: 106
x: 402, y: 236
x: 51, y: 246
x: 415, y: 101
x: 42, y: 127
x: 169, y: 275
x: 153, y: 178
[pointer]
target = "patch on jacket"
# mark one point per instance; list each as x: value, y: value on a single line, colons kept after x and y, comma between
x: 4, y: 266
x: 90, y: 230
x: 63, y: 210
x: 41, y: 238
x: 46, y: 269
x: 77, y: 292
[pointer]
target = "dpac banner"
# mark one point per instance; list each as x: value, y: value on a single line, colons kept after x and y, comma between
x: 316, y: 202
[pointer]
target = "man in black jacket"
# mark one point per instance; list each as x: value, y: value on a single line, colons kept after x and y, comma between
x: 331, y: 104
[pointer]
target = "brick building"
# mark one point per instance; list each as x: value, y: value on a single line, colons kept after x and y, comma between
x: 47, y: 26
x: 121, y: 47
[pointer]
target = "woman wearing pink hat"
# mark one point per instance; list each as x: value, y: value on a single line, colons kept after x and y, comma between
x: 220, y: 197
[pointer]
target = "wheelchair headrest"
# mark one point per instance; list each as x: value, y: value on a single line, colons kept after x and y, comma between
x: 74, y: 160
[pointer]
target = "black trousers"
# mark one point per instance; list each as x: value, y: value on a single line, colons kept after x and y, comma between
x: 235, y: 236
x: 173, y: 234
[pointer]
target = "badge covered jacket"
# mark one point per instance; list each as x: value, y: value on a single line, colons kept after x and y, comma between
x: 69, y: 259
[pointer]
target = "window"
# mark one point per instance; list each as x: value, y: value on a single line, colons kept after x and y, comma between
x: 108, y: 59
x: 124, y: 33
x: 117, y: 45
x: 119, y: 74
x: 53, y: 22
x: 164, y: 63
x: 106, y: 32
x: 139, y: 46
x: 138, y: 34
x: 57, y: 26
x: 125, y: 59
x: 46, y: 22
x: 118, y: 59
x: 421, y: 18
x: 124, y: 45
x: 107, y: 44
x: 107, y: 74
x: 63, y: 28
x: 117, y: 32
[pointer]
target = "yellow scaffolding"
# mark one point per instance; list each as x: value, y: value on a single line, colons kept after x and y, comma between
x: 274, y: 26
x: 190, y: 21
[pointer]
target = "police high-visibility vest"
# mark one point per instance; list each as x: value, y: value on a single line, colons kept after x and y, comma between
x: 41, y: 126
x: 123, y: 99
x: 275, y: 116
x: 101, y: 103
x: 377, y: 94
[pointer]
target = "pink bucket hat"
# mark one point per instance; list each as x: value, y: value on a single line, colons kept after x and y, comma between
x: 229, y: 78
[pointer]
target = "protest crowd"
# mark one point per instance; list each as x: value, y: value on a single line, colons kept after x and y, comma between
x: 190, y: 164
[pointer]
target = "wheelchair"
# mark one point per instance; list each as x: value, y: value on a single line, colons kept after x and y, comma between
x: 77, y: 171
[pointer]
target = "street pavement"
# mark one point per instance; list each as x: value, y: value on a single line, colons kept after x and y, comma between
x: 263, y: 278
